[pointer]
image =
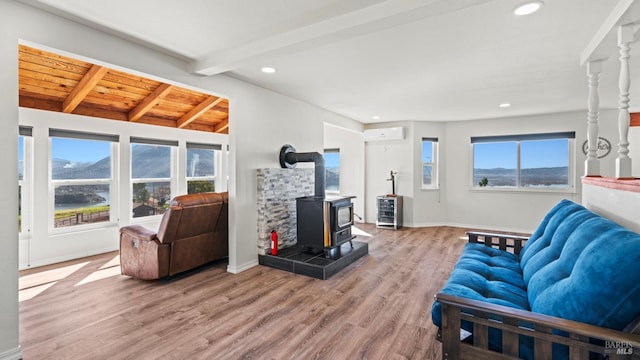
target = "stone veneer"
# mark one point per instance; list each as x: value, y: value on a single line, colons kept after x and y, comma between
x: 277, y: 193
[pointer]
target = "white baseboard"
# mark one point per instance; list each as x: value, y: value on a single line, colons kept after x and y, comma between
x: 470, y: 226
x: 243, y: 267
x: 13, y: 354
x: 67, y: 257
x: 418, y: 225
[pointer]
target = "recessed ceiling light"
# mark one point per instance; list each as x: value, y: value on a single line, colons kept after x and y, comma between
x: 268, y: 70
x: 504, y: 105
x: 528, y: 8
x: 375, y: 117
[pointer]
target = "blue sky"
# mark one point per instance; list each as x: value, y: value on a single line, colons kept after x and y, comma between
x: 427, y: 151
x: 76, y: 150
x: 534, y: 154
x: 544, y: 153
x: 20, y: 148
x: 332, y: 159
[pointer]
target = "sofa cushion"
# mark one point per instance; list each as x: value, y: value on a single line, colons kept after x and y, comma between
x: 486, y: 274
x: 583, y: 267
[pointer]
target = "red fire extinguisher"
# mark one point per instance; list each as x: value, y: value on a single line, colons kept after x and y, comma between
x: 274, y: 242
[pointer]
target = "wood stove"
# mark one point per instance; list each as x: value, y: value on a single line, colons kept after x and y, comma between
x: 323, y: 223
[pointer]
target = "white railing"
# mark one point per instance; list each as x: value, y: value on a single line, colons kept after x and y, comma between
x: 617, y: 31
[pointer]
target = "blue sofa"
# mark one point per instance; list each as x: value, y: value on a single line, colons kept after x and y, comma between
x: 573, y: 289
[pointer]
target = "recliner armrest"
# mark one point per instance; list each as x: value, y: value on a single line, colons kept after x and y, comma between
x: 139, y: 232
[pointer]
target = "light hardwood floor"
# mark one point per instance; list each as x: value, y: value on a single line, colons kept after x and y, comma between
x: 377, y: 308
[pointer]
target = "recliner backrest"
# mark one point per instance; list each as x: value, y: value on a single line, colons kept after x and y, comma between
x: 190, y: 215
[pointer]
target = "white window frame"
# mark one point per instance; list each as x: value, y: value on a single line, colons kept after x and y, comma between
x: 569, y: 135
x: 26, y: 184
x: 435, y: 182
x: 112, y: 182
x: 217, y: 149
x: 173, y: 151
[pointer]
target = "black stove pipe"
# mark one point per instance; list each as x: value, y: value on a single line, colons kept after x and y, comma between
x: 289, y: 157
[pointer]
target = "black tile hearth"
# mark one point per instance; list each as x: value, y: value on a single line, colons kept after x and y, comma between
x: 294, y: 259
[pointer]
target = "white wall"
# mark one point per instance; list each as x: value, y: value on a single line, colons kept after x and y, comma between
x: 9, y: 346
x: 46, y: 246
x: 421, y: 207
x: 430, y: 205
x: 515, y: 211
x: 260, y: 123
x: 615, y: 204
x: 382, y: 157
x: 634, y: 150
x: 456, y: 203
x: 351, y: 145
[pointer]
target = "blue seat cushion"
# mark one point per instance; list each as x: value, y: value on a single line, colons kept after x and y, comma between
x: 491, y: 275
x: 486, y: 274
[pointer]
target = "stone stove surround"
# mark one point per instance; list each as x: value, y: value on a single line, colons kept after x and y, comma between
x: 276, y: 203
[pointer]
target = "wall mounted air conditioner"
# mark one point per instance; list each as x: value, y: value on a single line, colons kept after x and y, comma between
x: 384, y: 134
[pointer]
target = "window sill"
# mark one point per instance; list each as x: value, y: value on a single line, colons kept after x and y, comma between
x: 82, y: 228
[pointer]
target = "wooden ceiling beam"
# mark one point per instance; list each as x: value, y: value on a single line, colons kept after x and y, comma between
x: 200, y: 109
x: 88, y: 81
x: 149, y: 102
x: 221, y: 126
x: 29, y: 101
x: 54, y: 82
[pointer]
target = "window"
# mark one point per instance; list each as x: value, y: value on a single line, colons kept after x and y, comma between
x: 81, y: 176
x: 332, y: 170
x: 201, y: 167
x: 24, y: 179
x: 540, y: 161
x: 151, y: 181
x: 429, y: 163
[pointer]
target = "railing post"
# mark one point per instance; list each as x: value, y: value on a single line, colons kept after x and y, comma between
x: 623, y: 162
x: 592, y: 163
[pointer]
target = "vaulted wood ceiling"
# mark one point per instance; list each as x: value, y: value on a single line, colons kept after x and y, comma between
x: 54, y: 82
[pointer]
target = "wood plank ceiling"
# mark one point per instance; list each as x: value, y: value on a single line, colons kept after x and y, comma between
x: 54, y: 82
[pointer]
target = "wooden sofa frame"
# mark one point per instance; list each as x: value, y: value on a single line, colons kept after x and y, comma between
x: 544, y: 329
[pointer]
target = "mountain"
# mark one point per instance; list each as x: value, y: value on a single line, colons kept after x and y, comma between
x: 148, y: 162
x: 65, y: 169
x: 545, y: 176
x: 332, y: 178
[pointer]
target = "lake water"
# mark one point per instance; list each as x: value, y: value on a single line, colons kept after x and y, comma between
x: 105, y: 195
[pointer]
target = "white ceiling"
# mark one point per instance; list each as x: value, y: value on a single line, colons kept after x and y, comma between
x: 437, y: 60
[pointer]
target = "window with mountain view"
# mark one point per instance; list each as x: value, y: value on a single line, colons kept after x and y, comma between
x: 81, y: 175
x: 332, y: 170
x: 539, y: 161
x: 429, y: 163
x: 151, y: 169
x: 201, y: 167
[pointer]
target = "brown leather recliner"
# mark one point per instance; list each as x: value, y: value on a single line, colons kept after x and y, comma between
x: 194, y: 231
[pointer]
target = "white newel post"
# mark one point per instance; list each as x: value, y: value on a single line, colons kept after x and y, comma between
x: 592, y: 163
x: 623, y: 162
